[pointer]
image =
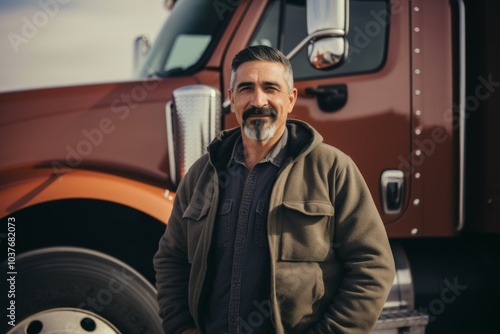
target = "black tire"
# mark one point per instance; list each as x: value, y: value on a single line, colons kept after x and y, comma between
x: 77, y: 278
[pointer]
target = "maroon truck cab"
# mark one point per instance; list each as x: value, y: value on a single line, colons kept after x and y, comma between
x: 409, y: 89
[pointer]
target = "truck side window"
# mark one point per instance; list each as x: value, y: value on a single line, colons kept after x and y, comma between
x: 367, y: 36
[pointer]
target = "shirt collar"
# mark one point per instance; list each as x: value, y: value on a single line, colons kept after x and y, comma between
x: 276, y: 156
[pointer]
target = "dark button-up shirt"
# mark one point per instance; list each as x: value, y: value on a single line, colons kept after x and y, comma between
x: 237, y: 291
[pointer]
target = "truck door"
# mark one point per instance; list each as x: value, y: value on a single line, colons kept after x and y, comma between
x: 362, y: 107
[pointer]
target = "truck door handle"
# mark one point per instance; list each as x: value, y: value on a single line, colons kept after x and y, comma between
x: 330, y: 98
x: 392, y: 188
x: 393, y: 195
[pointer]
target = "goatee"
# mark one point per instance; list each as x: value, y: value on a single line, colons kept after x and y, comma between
x: 256, y: 129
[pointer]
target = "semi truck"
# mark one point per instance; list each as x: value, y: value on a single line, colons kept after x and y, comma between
x: 408, y: 88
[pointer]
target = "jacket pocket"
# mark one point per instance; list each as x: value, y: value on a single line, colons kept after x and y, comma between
x: 195, y: 215
x: 306, y: 234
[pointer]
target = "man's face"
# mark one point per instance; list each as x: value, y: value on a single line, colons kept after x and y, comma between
x: 261, y: 99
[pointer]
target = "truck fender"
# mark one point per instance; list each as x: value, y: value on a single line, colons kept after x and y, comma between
x: 25, y: 189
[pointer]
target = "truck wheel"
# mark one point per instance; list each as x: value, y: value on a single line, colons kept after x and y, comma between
x: 67, y: 289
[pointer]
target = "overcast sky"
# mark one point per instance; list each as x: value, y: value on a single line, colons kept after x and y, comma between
x: 62, y: 42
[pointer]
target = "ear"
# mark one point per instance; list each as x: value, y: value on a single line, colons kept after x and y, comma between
x: 231, y: 99
x: 292, y: 98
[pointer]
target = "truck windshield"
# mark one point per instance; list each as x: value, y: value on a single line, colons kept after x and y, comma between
x: 184, y: 39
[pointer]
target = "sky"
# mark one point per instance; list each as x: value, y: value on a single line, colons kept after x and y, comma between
x: 47, y: 43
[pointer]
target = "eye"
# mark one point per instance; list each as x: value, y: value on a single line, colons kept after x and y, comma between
x: 244, y: 88
x: 272, y: 88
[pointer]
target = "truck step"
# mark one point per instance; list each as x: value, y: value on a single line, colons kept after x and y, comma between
x: 401, y: 322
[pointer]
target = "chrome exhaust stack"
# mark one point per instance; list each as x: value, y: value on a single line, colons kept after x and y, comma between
x: 193, y: 119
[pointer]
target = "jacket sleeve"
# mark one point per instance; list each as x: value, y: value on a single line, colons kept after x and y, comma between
x: 173, y: 270
x: 365, y: 253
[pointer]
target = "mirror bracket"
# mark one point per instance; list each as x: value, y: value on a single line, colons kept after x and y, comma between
x: 313, y: 37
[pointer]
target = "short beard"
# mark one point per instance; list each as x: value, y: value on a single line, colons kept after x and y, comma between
x: 259, y: 132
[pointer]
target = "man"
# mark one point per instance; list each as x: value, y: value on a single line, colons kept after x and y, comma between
x: 272, y: 231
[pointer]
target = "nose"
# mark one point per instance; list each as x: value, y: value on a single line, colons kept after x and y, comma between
x: 259, y: 98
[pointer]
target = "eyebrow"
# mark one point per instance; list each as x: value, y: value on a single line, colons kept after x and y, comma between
x: 245, y: 84
x: 252, y: 84
x: 272, y: 83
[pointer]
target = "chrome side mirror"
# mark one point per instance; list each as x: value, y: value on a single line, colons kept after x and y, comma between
x: 327, y: 51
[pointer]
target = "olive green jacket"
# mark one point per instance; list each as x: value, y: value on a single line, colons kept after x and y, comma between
x: 331, y: 263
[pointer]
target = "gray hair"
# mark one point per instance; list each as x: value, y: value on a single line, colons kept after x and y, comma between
x: 262, y: 53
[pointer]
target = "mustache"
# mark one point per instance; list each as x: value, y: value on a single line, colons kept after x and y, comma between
x: 264, y: 111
